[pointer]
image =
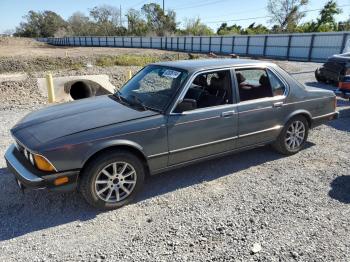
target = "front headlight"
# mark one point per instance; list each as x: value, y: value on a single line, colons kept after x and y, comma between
x: 42, y: 163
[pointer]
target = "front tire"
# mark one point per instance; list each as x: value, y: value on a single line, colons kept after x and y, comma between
x: 112, y: 180
x: 293, y: 136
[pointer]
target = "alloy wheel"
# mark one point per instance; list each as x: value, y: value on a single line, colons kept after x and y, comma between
x: 115, y: 182
x: 295, y: 135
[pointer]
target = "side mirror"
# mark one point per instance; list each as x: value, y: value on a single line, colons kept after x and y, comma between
x: 186, y: 105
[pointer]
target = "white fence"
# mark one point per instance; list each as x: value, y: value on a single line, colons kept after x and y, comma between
x: 305, y: 47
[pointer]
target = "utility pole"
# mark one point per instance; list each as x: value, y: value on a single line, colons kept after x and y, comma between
x: 163, y: 7
x: 120, y: 13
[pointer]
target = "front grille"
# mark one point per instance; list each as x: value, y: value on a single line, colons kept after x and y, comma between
x: 25, y: 152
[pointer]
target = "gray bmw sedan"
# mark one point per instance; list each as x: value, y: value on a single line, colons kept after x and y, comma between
x: 168, y: 115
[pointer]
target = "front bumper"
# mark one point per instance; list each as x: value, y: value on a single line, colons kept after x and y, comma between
x: 32, y: 178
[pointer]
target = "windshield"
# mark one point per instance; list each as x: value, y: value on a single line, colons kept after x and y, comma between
x: 153, y: 87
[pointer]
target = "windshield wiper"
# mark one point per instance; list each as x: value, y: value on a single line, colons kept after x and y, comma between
x: 120, y: 97
x: 139, y: 101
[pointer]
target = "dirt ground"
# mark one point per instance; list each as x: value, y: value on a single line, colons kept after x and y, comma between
x: 23, y: 47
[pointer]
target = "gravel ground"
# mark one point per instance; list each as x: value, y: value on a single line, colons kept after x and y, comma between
x: 256, y: 205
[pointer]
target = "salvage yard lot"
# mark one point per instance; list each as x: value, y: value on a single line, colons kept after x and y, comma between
x: 296, y: 208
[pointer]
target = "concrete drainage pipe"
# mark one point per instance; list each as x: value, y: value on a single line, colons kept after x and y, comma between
x: 80, y: 89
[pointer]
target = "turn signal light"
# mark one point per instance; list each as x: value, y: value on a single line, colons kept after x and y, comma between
x: 43, y: 164
x: 61, y: 181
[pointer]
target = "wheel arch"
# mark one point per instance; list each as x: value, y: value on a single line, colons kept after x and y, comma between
x: 301, y: 112
x: 123, y: 145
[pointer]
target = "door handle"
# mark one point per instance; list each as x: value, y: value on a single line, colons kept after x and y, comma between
x: 227, y: 113
x: 278, y: 104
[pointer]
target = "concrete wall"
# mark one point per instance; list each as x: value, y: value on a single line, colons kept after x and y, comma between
x: 305, y: 47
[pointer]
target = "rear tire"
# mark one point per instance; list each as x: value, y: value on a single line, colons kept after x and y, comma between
x: 112, y: 180
x: 293, y: 136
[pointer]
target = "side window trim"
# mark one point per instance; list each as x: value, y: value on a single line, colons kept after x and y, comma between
x: 188, y: 85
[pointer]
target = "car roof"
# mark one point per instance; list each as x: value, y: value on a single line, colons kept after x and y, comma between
x: 202, y: 64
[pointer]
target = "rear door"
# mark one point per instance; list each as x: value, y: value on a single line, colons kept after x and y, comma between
x: 261, y: 114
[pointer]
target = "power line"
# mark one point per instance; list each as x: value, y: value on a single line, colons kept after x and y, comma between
x: 198, y: 5
x: 260, y: 17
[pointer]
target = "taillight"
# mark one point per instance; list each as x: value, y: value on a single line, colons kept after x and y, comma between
x: 344, y: 85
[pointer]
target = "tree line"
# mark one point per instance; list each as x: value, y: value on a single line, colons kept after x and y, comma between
x: 151, y: 20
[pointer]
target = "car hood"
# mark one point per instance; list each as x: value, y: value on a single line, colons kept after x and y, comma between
x: 65, y: 119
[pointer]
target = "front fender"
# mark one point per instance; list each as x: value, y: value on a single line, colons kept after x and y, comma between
x: 110, y: 143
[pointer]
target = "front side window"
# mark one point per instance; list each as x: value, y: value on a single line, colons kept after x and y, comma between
x: 258, y: 83
x: 153, y: 87
x: 210, y: 89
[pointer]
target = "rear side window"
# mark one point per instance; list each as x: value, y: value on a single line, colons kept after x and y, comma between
x: 258, y: 83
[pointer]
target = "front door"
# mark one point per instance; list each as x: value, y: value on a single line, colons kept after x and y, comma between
x: 211, y: 127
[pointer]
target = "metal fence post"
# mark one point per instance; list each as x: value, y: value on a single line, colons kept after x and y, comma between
x: 221, y: 44
x: 99, y: 41
x: 114, y: 43
x: 141, y: 41
x: 311, y: 47
x: 161, y: 42
x: 200, y: 44
x: 123, y: 44
x: 73, y: 41
x: 131, y: 43
x: 150, y: 44
x: 92, y: 42
x: 185, y: 43
x: 345, y: 36
x: 265, y: 42
x: 192, y: 44
x: 209, y: 44
x: 233, y: 44
x: 171, y: 43
x: 288, y: 47
x: 107, y: 44
x: 247, y: 47
x: 177, y: 44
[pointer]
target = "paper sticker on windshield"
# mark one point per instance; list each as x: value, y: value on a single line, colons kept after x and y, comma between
x: 171, y: 73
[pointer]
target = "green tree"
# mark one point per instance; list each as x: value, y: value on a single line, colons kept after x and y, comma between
x: 79, y: 24
x: 229, y: 30
x: 136, y: 24
x: 196, y: 27
x: 255, y: 29
x: 286, y: 14
x: 157, y: 21
x: 40, y: 24
x: 326, y: 21
x: 106, y: 20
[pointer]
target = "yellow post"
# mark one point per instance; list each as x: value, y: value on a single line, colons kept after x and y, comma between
x: 130, y: 75
x: 50, y: 88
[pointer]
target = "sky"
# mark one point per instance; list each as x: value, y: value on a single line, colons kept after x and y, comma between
x: 212, y: 12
